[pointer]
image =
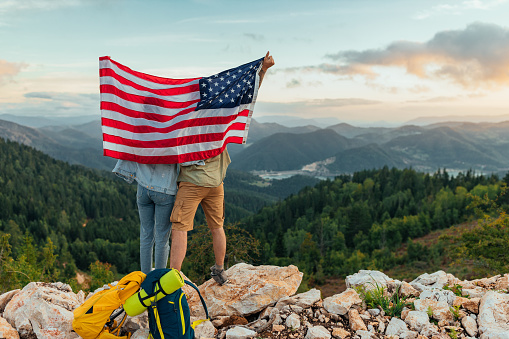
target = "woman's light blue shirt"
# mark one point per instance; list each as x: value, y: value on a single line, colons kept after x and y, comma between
x: 155, y: 177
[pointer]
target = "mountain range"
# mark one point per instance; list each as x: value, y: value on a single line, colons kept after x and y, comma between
x: 337, y: 149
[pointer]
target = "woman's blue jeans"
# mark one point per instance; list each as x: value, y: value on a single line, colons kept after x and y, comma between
x: 155, y: 227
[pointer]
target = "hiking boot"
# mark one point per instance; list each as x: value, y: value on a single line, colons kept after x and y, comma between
x: 218, y: 275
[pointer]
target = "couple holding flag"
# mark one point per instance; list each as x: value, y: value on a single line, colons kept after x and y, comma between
x: 151, y: 124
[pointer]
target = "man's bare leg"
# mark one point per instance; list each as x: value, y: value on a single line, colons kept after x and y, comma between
x: 178, y: 248
x: 219, y: 244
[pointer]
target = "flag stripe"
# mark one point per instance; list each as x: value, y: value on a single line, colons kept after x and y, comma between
x: 148, y: 77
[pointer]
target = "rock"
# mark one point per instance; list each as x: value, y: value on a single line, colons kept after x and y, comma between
x: 488, y: 283
x: 266, y: 313
x: 42, y: 309
x: 141, y: 334
x: 374, y: 312
x: 470, y: 326
x: 250, y: 290
x: 368, y: 279
x: 227, y: 321
x: 240, y: 333
x: 471, y: 305
x: 132, y: 324
x: 340, y: 333
x: 396, y: 327
x: 428, y: 281
x: 440, y: 309
x: 493, y: 315
x: 296, y: 309
x: 5, y: 298
x: 404, y: 313
x: 259, y: 324
x: 439, y: 295
x: 475, y: 292
x: 364, y: 334
x: 408, y: 335
x: 204, y: 329
x: 430, y: 330
x: 6, y: 330
x: 341, y: 303
x: 502, y: 283
x: 355, y: 321
x: 406, y: 290
x: 278, y: 328
x: 304, y: 300
x: 417, y: 320
x: 292, y: 321
x: 318, y: 332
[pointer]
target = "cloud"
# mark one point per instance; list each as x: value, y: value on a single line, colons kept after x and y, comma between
x: 458, y: 8
x: 434, y: 100
x: 477, y: 56
x: 9, y: 69
x: 293, y: 83
x: 255, y: 37
x: 54, y: 104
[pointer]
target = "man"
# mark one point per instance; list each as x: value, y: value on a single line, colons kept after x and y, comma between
x: 201, y: 182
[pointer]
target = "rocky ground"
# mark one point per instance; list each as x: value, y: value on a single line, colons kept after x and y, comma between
x: 260, y: 302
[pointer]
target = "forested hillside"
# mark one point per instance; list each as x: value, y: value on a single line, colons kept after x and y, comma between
x: 85, y: 215
x: 358, y: 222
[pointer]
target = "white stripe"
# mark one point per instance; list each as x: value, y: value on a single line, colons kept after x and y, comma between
x: 196, y: 130
x: 169, y: 151
x: 142, y: 82
x: 143, y: 108
x: 204, y: 113
x: 130, y: 90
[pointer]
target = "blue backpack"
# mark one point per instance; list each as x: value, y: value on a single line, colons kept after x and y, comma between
x: 170, y: 317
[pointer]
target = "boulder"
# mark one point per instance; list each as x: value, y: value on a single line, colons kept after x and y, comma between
x: 341, y: 303
x: 43, y: 309
x: 396, y: 327
x: 430, y: 330
x: 304, y: 300
x: 5, y: 298
x: 471, y: 305
x: 133, y: 324
x: 474, y: 292
x: 429, y: 281
x: 365, y: 334
x: 417, y: 320
x: 439, y: 295
x: 292, y: 321
x: 440, y: 309
x: 406, y: 290
x: 494, y: 315
x: 141, y: 334
x: 340, y: 333
x: 6, y: 330
x: 355, y: 321
x: 318, y: 332
x: 503, y: 283
x: 250, y: 289
x: 204, y: 329
x: 240, y: 333
x: 470, y: 326
x: 368, y: 279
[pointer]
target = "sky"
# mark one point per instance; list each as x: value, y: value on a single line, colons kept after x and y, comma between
x: 363, y: 62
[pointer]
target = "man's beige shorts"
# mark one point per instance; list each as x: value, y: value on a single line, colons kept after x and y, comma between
x: 188, y: 197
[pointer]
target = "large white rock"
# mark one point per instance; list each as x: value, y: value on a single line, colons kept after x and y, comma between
x: 6, y: 330
x: 250, y: 289
x: 430, y: 330
x: 43, y: 309
x: 292, y: 321
x: 141, y: 334
x: 304, y: 300
x: 204, y: 329
x: 396, y: 327
x: 439, y: 295
x: 428, y: 281
x: 318, y: 332
x: 367, y: 278
x: 440, y: 309
x: 5, y: 298
x: 493, y: 316
x: 239, y: 333
x: 417, y: 320
x: 470, y: 326
x: 341, y: 303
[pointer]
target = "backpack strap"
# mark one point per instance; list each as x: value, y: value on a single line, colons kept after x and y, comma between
x: 197, y: 322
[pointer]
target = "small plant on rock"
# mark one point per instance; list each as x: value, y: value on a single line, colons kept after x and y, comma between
x: 453, y: 334
x: 392, y: 305
x: 455, y: 312
x: 457, y: 289
x: 430, y: 315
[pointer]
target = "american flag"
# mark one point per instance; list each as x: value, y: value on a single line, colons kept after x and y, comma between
x: 154, y: 120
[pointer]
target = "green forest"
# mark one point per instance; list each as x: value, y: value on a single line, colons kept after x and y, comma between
x: 56, y: 219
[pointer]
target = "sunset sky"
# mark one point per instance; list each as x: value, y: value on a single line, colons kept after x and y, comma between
x: 359, y: 61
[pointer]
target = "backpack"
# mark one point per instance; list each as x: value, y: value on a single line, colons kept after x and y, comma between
x: 95, y: 317
x: 169, y: 316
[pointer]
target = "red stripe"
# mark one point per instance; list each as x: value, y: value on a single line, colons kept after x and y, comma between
x: 167, y: 91
x: 111, y: 106
x: 187, y: 140
x: 172, y: 159
x: 145, y: 100
x: 179, y: 125
x: 148, y: 77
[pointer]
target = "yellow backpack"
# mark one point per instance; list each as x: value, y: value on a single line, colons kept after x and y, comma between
x: 95, y: 319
